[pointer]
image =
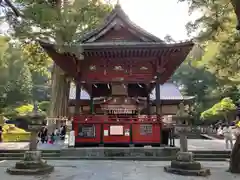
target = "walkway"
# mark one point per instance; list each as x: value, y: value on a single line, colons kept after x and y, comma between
x: 117, y: 170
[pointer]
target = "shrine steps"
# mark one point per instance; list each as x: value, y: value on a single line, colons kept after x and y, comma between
x: 105, y: 153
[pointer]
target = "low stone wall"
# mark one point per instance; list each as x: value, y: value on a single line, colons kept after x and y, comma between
x: 120, y: 152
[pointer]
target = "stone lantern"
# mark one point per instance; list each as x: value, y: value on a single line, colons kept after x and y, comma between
x: 32, y: 164
x: 184, y: 163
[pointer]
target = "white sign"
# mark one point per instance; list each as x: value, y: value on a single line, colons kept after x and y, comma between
x: 116, y: 130
x: 71, y: 140
x: 105, y: 133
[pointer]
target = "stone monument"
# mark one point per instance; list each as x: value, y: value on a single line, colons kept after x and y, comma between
x: 184, y: 163
x: 32, y: 164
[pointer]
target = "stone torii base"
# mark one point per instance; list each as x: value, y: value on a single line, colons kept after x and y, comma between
x: 185, y: 165
x: 31, y: 165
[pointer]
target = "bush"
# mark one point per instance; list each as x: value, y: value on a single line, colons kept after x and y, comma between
x: 24, y: 109
x: 44, y: 106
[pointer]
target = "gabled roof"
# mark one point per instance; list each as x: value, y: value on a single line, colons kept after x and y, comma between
x: 115, y: 18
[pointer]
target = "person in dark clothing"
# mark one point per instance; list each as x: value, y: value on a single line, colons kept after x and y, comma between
x: 165, y: 136
x: 63, y: 131
x: 44, y: 135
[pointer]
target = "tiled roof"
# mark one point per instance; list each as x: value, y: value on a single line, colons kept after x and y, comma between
x: 168, y: 91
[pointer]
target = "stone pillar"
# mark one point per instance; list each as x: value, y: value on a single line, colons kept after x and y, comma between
x: 33, y: 141
x: 183, y: 142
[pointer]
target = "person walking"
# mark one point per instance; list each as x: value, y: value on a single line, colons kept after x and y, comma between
x: 63, y: 131
x: 228, y: 136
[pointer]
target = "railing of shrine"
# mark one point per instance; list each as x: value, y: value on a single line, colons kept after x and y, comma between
x: 109, y: 118
x: 197, y: 129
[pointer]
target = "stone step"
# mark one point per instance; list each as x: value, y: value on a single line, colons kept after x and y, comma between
x: 210, y: 156
x: 211, y: 152
x: 116, y: 158
x: 22, y: 154
x: 24, y: 150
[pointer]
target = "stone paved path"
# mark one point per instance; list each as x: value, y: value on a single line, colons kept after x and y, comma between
x: 202, y: 144
x: 117, y: 170
x: 25, y: 145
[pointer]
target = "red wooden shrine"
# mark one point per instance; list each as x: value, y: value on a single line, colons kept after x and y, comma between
x: 119, y: 63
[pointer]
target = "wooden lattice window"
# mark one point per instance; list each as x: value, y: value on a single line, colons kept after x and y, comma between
x: 145, y: 129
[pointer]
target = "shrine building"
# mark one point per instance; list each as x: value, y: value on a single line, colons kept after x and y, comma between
x: 120, y: 73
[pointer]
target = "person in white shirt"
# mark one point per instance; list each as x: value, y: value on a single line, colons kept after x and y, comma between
x: 219, y: 131
x: 228, y: 136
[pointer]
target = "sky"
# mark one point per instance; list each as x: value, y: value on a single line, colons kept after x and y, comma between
x: 159, y: 17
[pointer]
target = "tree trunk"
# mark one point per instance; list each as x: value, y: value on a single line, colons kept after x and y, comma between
x: 59, y: 93
x: 234, y: 166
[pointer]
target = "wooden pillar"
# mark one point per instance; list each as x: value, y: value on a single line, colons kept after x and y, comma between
x: 77, y: 110
x: 158, y: 105
x: 148, y: 102
x: 92, y: 111
x: 158, y: 100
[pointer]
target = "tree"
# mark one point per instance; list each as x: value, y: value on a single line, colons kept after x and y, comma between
x: 64, y: 23
x: 18, y: 82
x: 21, y: 73
x: 217, y: 24
x: 197, y: 82
x: 221, y: 109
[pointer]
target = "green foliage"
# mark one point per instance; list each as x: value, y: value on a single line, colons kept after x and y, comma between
x: 197, y: 82
x: 63, y: 24
x: 19, y: 76
x: 19, y: 85
x: 216, y: 31
x: 224, y: 107
x: 44, y: 106
x: 24, y: 109
x: 35, y: 57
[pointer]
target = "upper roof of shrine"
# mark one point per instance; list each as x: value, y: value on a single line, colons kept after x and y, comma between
x: 118, y: 38
x: 118, y: 22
